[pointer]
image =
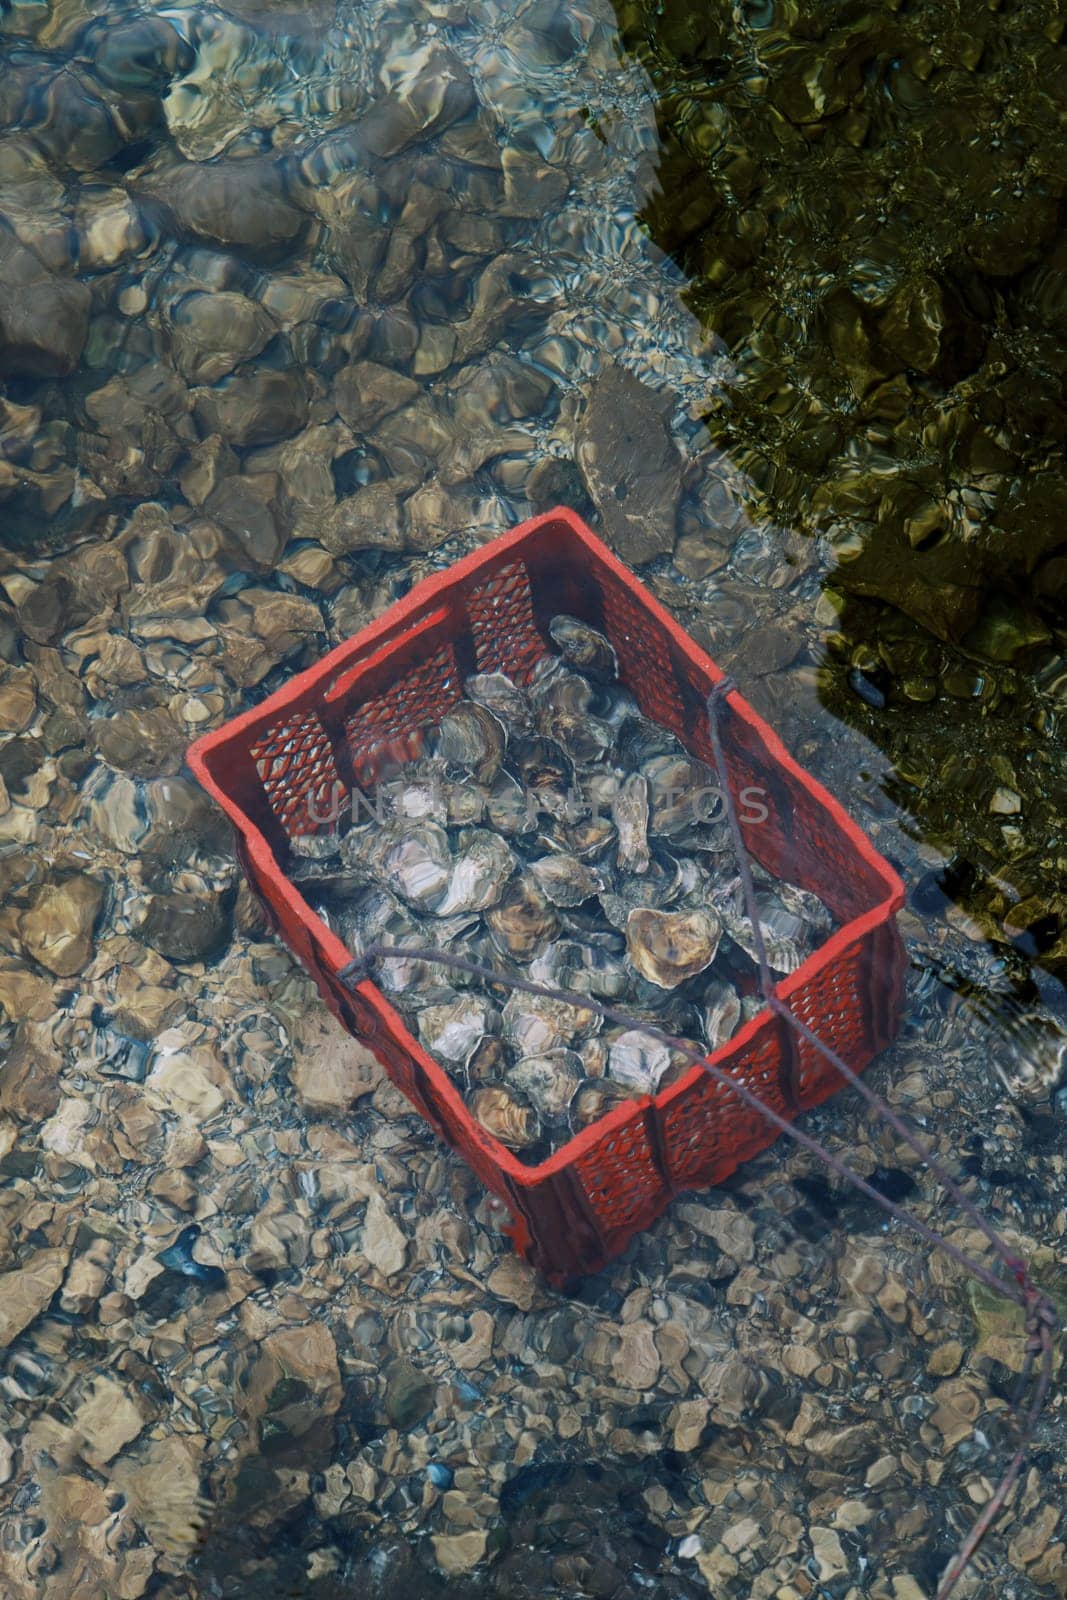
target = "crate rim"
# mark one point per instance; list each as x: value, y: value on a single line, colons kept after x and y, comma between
x: 349, y: 655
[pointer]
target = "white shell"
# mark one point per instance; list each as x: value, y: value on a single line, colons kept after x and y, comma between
x: 667, y: 947
x: 638, y: 1061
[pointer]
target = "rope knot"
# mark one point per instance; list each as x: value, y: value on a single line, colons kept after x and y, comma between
x: 356, y: 971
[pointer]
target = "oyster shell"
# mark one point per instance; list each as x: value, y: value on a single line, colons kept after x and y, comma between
x: 667, y: 947
x: 639, y: 741
x: 602, y: 974
x: 481, y: 869
x: 583, y: 647
x: 721, y: 1010
x: 565, y: 880
x: 376, y: 914
x: 311, y: 852
x: 420, y: 982
x: 550, y: 1082
x: 557, y: 964
x: 500, y: 1112
x: 805, y: 905
x: 507, y: 807
x: 486, y: 1060
x: 682, y: 795
x: 638, y: 1061
x: 561, y: 691
x: 522, y: 923
x: 535, y: 1024
x: 414, y: 859
x: 586, y: 739
x: 421, y: 798
x: 589, y: 837
x: 596, y: 1098
x: 659, y: 886
x: 455, y: 1029
x: 471, y: 737
x: 631, y: 824
x: 569, y: 710
x: 600, y: 790
x: 593, y: 1054
x: 787, y: 937
x: 465, y: 803
x: 545, y: 671
x: 500, y: 695
x: 545, y: 772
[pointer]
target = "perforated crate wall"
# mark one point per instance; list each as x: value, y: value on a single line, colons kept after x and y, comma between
x: 370, y: 702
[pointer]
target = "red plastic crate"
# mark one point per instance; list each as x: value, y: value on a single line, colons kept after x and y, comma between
x: 274, y: 771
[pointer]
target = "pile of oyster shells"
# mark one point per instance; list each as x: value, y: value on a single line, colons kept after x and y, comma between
x: 554, y: 833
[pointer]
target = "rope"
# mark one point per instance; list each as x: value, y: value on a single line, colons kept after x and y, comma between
x: 1040, y: 1316
x: 1039, y: 1312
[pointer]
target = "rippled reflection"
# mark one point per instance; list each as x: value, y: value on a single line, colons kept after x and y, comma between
x: 297, y: 304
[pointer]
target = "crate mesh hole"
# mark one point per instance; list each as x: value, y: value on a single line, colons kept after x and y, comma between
x: 295, y: 762
x: 390, y: 727
x: 502, y: 624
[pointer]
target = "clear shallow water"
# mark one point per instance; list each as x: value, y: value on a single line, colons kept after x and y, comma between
x: 260, y: 1331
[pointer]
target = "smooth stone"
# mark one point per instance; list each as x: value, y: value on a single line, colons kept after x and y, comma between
x: 57, y: 929
x: 244, y: 505
x: 366, y: 391
x: 1005, y: 802
x: 161, y: 1480
x: 435, y: 514
x: 29, y: 1077
x: 109, y: 230
x: 556, y: 481
x: 107, y: 1421
x: 205, y: 467
x: 255, y: 406
x: 457, y: 1553
x: 44, y: 320
x: 143, y: 1009
x: 237, y: 203
x: 630, y: 464
x: 148, y: 744
x: 49, y: 609
x: 187, y: 927
x: 141, y: 55
x: 437, y: 92
x: 636, y: 1361
x: 366, y: 520
x: 331, y: 1071
x: 186, y: 1082
x: 74, y: 125
x: 436, y: 350
x: 946, y: 1359
x: 866, y: 689
x: 382, y: 1242
x: 734, y: 1234
x: 531, y: 188
x: 18, y: 700
x: 295, y: 1384
x: 409, y: 1394
x: 513, y: 1280
x: 26, y: 1291
x: 212, y: 333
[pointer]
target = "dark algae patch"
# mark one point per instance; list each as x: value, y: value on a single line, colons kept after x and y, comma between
x: 868, y: 202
